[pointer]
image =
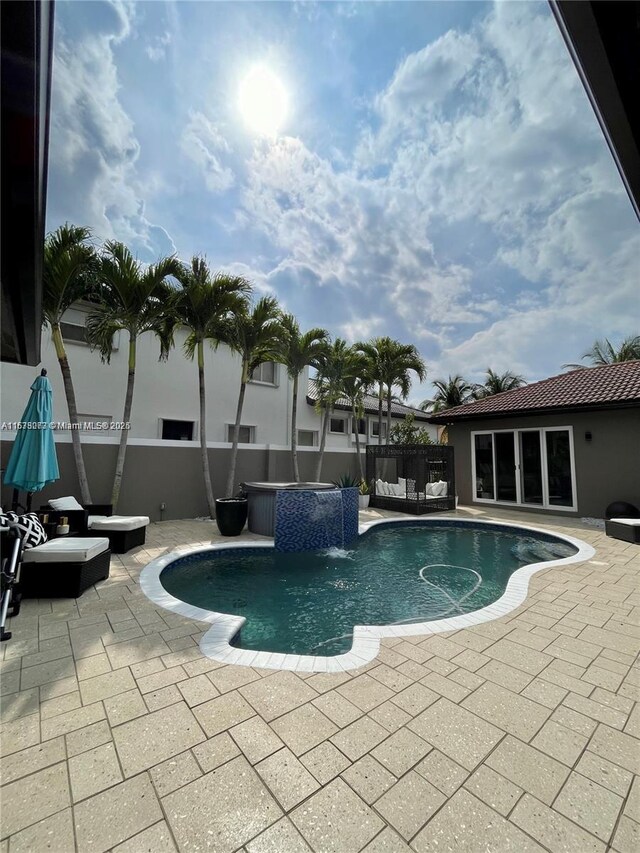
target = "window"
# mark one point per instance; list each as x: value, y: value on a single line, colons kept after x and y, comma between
x: 307, y: 438
x: 246, y: 434
x: 338, y: 425
x: 265, y: 372
x: 76, y: 333
x: 171, y: 430
x: 374, y: 428
x: 360, y: 424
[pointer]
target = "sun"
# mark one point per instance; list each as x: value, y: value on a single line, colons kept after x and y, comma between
x: 263, y: 101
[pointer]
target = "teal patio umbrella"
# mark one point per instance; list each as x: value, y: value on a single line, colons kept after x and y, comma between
x: 33, y: 462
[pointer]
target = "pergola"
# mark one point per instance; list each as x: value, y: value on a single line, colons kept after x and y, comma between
x: 418, y: 466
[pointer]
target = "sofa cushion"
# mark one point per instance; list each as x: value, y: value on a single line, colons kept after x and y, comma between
x: 28, y: 526
x: 69, y: 549
x: 631, y: 522
x: 119, y: 522
x: 62, y: 504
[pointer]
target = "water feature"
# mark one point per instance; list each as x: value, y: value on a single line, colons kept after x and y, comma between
x: 310, y: 520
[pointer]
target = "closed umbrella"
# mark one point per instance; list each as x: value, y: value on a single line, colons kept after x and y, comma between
x: 33, y: 462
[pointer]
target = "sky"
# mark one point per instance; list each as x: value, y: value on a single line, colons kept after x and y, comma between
x: 432, y: 171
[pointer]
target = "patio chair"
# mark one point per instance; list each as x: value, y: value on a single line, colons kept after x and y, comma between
x: 124, y: 532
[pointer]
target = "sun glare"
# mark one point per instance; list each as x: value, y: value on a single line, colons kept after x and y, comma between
x: 262, y: 101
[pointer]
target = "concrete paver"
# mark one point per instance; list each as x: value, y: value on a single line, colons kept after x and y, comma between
x: 519, y: 734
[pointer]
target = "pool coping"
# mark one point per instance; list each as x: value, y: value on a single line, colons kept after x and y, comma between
x: 215, y: 644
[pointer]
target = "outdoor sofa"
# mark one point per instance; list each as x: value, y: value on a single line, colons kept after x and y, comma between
x: 626, y: 529
x: 405, y: 496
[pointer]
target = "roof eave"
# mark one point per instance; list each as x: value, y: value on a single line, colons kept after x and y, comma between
x: 524, y: 413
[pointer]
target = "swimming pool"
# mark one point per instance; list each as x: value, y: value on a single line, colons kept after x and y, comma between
x: 401, y: 577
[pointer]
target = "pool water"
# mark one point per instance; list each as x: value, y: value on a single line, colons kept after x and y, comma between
x: 308, y: 603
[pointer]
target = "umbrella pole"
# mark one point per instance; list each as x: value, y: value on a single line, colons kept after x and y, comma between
x: 29, y: 499
x: 14, y: 501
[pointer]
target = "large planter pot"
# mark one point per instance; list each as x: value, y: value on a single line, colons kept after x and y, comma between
x: 363, y: 501
x: 231, y: 515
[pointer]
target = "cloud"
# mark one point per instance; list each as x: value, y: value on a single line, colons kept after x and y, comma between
x: 157, y: 50
x: 469, y: 204
x: 94, y: 151
x: 203, y: 143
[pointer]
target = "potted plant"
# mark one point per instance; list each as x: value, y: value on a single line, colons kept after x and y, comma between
x: 365, y: 494
x: 231, y: 514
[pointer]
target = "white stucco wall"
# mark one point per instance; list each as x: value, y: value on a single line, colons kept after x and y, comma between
x: 165, y: 390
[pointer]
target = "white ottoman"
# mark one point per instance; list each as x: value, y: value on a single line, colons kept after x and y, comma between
x: 124, y: 531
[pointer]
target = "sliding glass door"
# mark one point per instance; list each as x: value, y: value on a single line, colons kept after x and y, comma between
x: 531, y: 467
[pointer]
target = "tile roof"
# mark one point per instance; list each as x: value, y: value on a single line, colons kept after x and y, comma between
x: 608, y: 386
x: 371, y: 406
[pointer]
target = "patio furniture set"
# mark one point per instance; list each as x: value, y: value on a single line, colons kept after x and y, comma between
x: 66, y: 565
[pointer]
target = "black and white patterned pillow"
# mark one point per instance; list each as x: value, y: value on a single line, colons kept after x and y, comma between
x: 30, y: 528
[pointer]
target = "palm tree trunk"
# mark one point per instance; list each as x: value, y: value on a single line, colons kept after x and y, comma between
x: 323, y: 441
x: 294, y: 437
x: 203, y: 434
x: 388, y: 439
x: 126, y: 418
x: 70, y: 394
x: 236, y: 432
x: 380, y: 396
x: 355, y: 421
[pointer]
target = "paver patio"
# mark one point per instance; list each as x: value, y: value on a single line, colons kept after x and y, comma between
x: 519, y: 734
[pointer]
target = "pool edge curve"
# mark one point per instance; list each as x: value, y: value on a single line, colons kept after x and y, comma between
x: 215, y: 644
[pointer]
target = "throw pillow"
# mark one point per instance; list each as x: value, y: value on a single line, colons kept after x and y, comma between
x: 403, y: 483
x: 28, y: 525
x: 428, y: 490
x: 62, y: 504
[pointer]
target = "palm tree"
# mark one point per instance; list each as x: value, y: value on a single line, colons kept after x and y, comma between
x: 205, y: 305
x: 355, y: 385
x: 296, y: 352
x: 604, y: 352
x: 496, y: 383
x: 256, y: 336
x: 390, y: 364
x: 333, y: 368
x: 399, y: 361
x: 451, y: 392
x: 132, y: 299
x: 373, y: 351
x: 68, y: 265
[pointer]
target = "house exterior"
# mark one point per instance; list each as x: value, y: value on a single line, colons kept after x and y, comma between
x: 568, y: 444
x: 163, y: 456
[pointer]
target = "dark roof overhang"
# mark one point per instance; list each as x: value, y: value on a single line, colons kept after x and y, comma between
x: 603, y: 38
x: 442, y: 419
x: 27, y: 46
x: 369, y: 410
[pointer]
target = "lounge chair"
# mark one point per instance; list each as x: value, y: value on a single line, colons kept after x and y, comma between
x: 124, y: 532
x: 64, y: 567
